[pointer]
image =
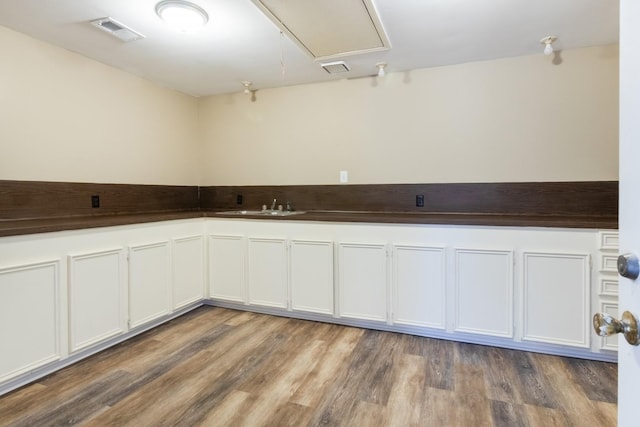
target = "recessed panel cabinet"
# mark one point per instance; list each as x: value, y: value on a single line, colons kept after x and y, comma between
x: 188, y: 271
x: 29, y: 317
x: 363, y: 281
x: 97, y: 304
x: 419, y: 286
x: 484, y: 292
x: 267, y: 272
x: 311, y: 266
x: 227, y: 268
x: 149, y: 282
x: 556, y: 295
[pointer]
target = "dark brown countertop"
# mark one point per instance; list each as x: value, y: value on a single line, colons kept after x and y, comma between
x: 15, y: 227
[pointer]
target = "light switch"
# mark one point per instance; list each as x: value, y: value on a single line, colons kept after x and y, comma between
x: 344, y: 177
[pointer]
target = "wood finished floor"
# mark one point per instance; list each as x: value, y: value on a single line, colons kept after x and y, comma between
x: 219, y: 367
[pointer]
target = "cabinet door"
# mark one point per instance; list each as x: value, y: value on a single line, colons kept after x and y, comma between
x: 188, y: 271
x: 419, y: 286
x: 484, y: 292
x: 267, y: 272
x: 227, y: 268
x: 149, y: 282
x: 96, y: 298
x: 362, y: 281
x: 29, y: 317
x: 311, y: 266
x: 556, y: 296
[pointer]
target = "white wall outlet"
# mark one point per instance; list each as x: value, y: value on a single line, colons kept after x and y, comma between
x: 344, y: 177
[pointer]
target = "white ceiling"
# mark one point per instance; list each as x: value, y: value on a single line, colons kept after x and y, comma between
x: 241, y: 43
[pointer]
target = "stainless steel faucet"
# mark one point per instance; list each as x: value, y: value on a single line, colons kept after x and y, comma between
x: 273, y: 205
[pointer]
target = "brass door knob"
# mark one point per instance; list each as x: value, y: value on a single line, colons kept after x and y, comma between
x: 606, y: 325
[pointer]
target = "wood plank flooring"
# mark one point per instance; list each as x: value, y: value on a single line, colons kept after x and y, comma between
x: 219, y: 367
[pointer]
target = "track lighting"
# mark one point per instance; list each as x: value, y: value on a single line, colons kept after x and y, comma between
x: 547, y: 42
x: 381, y: 66
x: 247, y: 85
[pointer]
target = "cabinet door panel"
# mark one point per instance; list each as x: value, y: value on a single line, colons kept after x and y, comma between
x: 311, y: 265
x: 188, y: 271
x: 227, y: 268
x: 556, y: 295
x: 363, y: 281
x: 484, y: 292
x: 419, y: 286
x: 96, y: 305
x: 149, y: 283
x: 268, y: 272
x: 29, y: 317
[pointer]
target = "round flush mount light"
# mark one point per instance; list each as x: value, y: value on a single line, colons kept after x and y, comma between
x: 183, y: 15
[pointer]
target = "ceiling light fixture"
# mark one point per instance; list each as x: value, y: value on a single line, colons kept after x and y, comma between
x: 381, y: 66
x: 247, y: 85
x: 547, y: 42
x: 181, y: 14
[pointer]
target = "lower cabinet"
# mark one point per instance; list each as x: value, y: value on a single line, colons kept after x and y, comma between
x: 97, y: 302
x: 484, y: 292
x: 311, y: 276
x: 419, y: 286
x: 149, y: 282
x: 267, y: 272
x: 556, y: 298
x: 362, y: 281
x: 226, y: 260
x: 30, y: 317
x: 188, y: 271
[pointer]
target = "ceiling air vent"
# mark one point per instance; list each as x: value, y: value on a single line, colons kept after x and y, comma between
x: 328, y: 29
x: 117, y: 29
x: 335, y: 67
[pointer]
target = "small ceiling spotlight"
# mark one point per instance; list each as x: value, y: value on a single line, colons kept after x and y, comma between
x: 381, y: 66
x: 547, y: 42
x: 181, y: 14
x: 247, y: 84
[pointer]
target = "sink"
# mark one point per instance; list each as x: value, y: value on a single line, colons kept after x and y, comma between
x: 267, y: 212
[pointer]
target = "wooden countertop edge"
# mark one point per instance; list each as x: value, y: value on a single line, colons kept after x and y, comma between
x: 16, y: 227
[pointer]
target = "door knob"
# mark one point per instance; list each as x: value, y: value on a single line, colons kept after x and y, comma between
x: 606, y: 325
x: 628, y: 266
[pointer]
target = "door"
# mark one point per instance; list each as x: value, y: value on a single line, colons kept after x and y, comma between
x: 629, y: 356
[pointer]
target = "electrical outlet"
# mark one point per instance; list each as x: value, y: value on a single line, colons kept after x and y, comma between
x: 239, y: 199
x: 420, y: 200
x: 95, y: 201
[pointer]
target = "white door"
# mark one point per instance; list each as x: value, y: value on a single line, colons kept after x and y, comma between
x: 629, y: 356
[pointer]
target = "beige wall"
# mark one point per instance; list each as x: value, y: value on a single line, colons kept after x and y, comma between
x: 67, y: 118
x: 516, y: 119
x: 64, y: 117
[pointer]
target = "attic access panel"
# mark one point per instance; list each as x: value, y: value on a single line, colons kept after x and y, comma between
x: 328, y: 29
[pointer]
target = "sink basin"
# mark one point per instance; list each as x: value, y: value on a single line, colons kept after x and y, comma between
x: 261, y: 213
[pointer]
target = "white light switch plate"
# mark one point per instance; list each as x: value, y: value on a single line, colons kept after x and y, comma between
x: 344, y: 177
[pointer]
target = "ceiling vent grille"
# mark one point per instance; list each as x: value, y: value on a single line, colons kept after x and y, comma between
x: 335, y: 67
x: 117, y: 29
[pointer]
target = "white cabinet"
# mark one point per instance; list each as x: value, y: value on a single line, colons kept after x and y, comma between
x: 97, y: 300
x: 267, y: 272
x: 29, y: 317
x: 149, y: 282
x: 362, y: 281
x: 556, y: 298
x: 227, y: 268
x: 484, y: 292
x: 311, y: 267
x: 188, y: 271
x: 419, y: 286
